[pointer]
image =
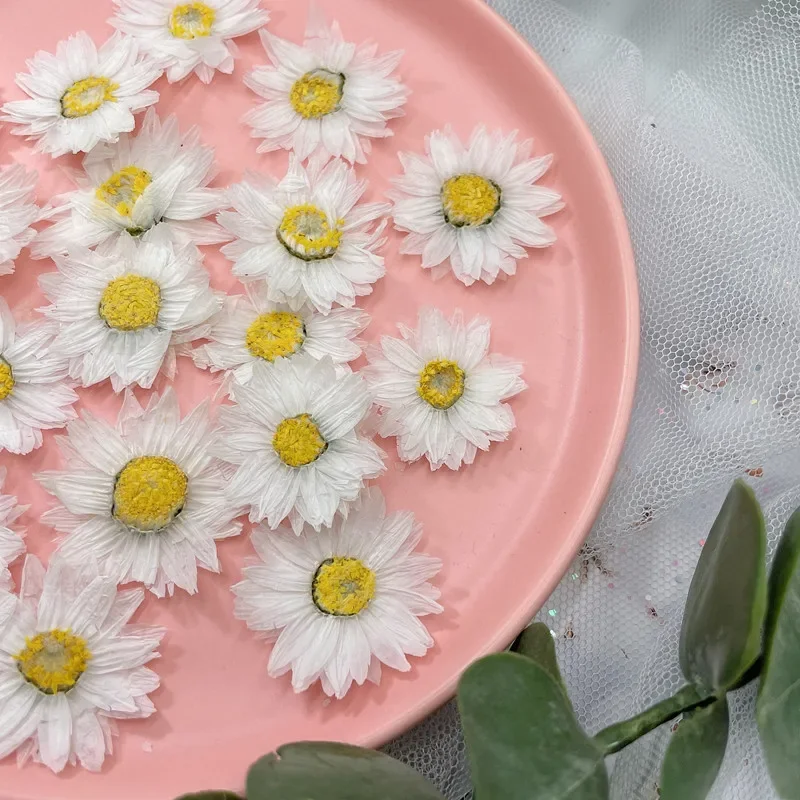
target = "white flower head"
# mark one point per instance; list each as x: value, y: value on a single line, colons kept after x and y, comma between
x: 307, y: 236
x: 343, y: 600
x: 327, y: 96
x: 251, y: 330
x: 17, y: 213
x: 12, y: 544
x: 152, y: 182
x: 441, y: 392
x: 70, y: 665
x: 81, y: 95
x: 34, y: 393
x: 477, y: 206
x: 144, y: 498
x: 189, y: 35
x: 293, y: 437
x: 123, y: 311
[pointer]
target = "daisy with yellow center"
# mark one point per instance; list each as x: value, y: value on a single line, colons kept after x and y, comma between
x: 83, y: 95
x: 185, y: 37
x: 308, y: 236
x: 150, y: 503
x: 441, y: 392
x: 72, y: 664
x: 293, y: 439
x: 17, y: 211
x: 473, y: 208
x: 341, y: 601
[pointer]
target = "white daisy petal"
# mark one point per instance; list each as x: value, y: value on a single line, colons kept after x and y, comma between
x: 17, y: 213
x: 11, y: 542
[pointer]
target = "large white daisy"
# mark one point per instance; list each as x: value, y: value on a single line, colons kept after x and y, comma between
x: 157, y: 179
x: 144, y: 498
x: 70, y: 665
x: 12, y: 544
x: 328, y: 96
x: 343, y: 600
x: 81, y: 95
x: 124, y: 310
x: 189, y: 36
x: 307, y: 236
x: 34, y: 394
x: 440, y: 390
x: 17, y: 213
x: 478, y: 206
x: 293, y: 437
x: 251, y: 330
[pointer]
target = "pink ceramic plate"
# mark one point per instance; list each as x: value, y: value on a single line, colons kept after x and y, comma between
x: 505, y: 527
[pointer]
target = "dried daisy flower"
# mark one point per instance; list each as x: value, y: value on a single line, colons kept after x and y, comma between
x: 17, y: 213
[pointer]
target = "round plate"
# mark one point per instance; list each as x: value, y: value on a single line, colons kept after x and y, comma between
x: 506, y: 527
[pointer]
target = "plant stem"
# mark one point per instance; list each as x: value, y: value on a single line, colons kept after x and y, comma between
x: 613, y: 738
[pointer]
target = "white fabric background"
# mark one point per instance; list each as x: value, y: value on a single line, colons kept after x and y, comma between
x: 696, y: 105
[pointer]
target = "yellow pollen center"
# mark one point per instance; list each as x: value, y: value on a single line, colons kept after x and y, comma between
x: 298, y: 442
x: 123, y: 189
x: 130, y: 303
x: 317, y: 93
x: 470, y: 200
x: 191, y: 20
x: 306, y: 232
x: 84, y: 97
x: 54, y: 660
x: 441, y: 383
x: 149, y: 493
x: 6, y: 379
x: 343, y: 587
x: 276, y: 334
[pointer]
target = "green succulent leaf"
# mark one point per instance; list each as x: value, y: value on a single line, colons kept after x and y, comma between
x: 536, y: 642
x: 329, y: 771
x: 721, y: 633
x: 211, y: 795
x: 522, y: 737
x: 695, y: 753
x: 778, y: 707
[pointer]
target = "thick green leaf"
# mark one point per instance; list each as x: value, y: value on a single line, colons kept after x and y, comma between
x: 329, y: 771
x: 211, y: 795
x: 522, y: 736
x: 721, y: 633
x: 695, y: 753
x: 536, y: 642
x: 778, y: 708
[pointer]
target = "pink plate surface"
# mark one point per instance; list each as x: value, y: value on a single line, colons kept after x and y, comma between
x: 505, y: 527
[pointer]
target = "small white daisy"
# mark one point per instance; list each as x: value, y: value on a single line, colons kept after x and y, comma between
x: 441, y: 392
x: 143, y: 183
x: 70, y: 665
x: 34, y: 395
x: 189, y: 36
x: 12, y: 544
x: 343, y: 600
x: 17, y: 213
x: 250, y: 330
x: 123, y: 310
x: 293, y: 436
x: 81, y: 95
x: 478, y: 206
x: 307, y: 236
x: 146, y: 498
x: 328, y: 96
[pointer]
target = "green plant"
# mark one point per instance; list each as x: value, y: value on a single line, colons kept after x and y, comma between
x: 523, y: 739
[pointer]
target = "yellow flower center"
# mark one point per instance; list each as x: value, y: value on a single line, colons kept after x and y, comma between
x: 6, y: 379
x: 130, y: 303
x: 149, y: 493
x: 276, y: 334
x: 306, y: 232
x: 441, y: 383
x: 191, y: 20
x: 317, y: 94
x: 54, y: 660
x: 343, y: 587
x: 470, y: 200
x: 298, y: 442
x: 84, y: 97
x: 123, y: 189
